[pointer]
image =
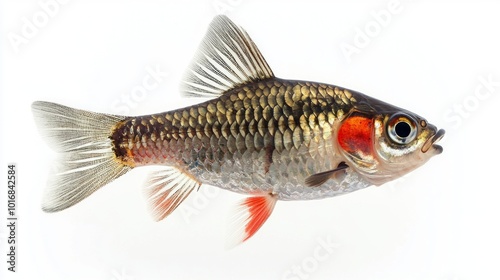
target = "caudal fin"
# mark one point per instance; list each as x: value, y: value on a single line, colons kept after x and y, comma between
x: 87, y: 161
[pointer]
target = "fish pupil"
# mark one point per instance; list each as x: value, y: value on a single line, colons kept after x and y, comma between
x: 403, y: 129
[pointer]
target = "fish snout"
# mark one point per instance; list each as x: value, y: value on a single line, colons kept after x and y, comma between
x: 431, y: 142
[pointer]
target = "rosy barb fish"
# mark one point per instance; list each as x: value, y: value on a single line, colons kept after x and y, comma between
x: 270, y: 138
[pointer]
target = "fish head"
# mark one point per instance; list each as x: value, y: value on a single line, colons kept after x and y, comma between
x: 383, y: 142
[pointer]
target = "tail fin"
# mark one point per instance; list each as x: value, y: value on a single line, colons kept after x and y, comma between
x: 87, y: 161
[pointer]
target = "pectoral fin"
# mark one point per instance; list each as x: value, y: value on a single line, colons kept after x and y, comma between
x: 319, y: 179
x: 249, y: 217
x: 167, y: 189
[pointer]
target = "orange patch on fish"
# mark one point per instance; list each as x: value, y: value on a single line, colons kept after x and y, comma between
x: 127, y: 159
x: 356, y: 135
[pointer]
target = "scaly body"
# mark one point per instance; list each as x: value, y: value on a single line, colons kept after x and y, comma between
x: 263, y: 137
x: 270, y: 138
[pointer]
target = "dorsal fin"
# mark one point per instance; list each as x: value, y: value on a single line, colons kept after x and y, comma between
x: 226, y: 58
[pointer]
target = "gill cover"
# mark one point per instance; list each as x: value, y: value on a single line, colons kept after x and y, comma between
x: 356, y: 140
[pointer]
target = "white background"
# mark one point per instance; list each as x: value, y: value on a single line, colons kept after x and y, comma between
x: 440, y: 222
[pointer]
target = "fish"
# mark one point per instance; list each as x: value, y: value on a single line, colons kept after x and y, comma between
x: 267, y: 138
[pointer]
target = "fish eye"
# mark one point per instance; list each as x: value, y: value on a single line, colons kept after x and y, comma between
x: 402, y: 129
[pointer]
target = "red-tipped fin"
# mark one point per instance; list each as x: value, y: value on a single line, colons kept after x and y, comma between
x: 167, y: 189
x: 249, y: 217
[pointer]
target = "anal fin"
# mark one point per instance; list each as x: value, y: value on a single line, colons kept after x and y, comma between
x: 249, y: 217
x: 167, y: 189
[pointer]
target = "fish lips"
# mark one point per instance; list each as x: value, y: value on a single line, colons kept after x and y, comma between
x: 431, y: 142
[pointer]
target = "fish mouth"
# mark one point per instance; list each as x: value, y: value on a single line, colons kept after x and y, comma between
x: 431, y: 142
